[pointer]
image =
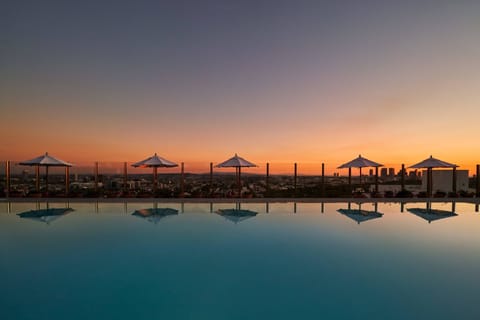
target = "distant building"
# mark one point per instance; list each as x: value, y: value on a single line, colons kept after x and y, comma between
x: 391, y: 172
x: 383, y: 172
x: 442, y: 180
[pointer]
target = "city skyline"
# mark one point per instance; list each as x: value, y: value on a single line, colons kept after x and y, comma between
x: 275, y: 81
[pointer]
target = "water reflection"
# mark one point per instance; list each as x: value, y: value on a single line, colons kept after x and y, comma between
x: 155, y: 214
x: 47, y: 215
x: 360, y: 215
x: 358, y: 211
x: 236, y: 215
x: 430, y: 214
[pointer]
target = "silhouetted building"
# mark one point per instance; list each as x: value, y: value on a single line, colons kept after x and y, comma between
x: 391, y: 172
x: 383, y: 172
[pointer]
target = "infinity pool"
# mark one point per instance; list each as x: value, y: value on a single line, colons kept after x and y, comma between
x: 290, y: 261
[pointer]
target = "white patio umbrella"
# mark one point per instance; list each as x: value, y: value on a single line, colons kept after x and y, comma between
x: 359, y: 163
x: 429, y: 164
x: 237, y: 163
x: 155, y: 162
x: 46, y: 161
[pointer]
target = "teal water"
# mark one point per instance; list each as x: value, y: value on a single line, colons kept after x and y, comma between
x: 294, y: 262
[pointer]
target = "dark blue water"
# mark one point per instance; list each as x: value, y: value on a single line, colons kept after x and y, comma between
x: 102, y: 262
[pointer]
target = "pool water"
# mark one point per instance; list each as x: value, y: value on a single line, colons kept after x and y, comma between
x: 296, y: 261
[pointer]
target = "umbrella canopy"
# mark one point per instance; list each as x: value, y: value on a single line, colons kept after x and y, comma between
x: 360, y: 162
x: 45, y: 215
x: 46, y: 161
x: 433, y: 163
x: 236, y: 215
x: 155, y: 162
x: 235, y: 162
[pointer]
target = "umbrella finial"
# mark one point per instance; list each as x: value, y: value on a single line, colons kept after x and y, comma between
x: 46, y: 153
x: 431, y: 157
x: 359, y: 155
x: 236, y: 154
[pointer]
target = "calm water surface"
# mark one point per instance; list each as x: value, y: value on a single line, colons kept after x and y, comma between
x: 292, y: 262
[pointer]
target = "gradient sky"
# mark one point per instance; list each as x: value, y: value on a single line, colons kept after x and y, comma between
x: 305, y: 81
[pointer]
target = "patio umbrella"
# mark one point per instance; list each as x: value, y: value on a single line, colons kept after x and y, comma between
x: 46, y: 161
x: 155, y: 162
x: 360, y: 163
x: 429, y: 164
x: 237, y: 163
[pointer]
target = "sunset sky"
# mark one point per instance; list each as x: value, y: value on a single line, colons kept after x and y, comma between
x: 278, y: 81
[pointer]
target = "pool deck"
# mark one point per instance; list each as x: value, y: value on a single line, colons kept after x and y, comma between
x: 243, y: 200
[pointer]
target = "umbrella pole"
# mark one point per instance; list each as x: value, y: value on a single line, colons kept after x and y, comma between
x: 155, y: 180
x: 454, y: 180
x: 37, y: 178
x: 239, y: 182
x: 46, y: 181
x: 376, y: 180
x: 67, y: 180
x: 350, y: 176
x: 429, y: 182
x: 360, y: 177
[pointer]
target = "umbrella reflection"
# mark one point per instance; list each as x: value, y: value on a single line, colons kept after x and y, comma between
x: 45, y: 215
x: 236, y: 215
x: 432, y: 214
x: 155, y: 214
x: 360, y: 215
